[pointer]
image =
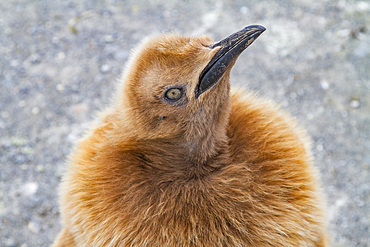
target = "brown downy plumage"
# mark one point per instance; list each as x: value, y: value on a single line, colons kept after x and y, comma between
x: 178, y: 160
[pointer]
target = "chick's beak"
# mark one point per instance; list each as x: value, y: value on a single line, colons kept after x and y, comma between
x: 230, y: 48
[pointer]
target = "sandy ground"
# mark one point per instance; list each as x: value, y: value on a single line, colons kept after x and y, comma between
x: 59, y: 61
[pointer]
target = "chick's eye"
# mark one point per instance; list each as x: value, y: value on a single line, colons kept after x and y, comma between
x: 173, y: 94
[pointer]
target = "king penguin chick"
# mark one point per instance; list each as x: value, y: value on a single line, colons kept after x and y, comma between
x: 180, y: 160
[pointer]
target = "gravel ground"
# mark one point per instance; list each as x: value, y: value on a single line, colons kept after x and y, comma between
x: 59, y: 61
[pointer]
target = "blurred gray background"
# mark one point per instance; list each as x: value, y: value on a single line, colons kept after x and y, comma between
x: 59, y: 61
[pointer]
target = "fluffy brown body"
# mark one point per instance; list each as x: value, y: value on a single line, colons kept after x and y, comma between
x: 226, y: 169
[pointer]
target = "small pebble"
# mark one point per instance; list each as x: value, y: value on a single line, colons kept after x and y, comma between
x: 135, y: 8
x: 108, y: 38
x: 40, y: 168
x: 14, y: 63
x: 27, y: 150
x: 362, y: 6
x: 244, y: 10
x: 310, y: 116
x: 30, y: 188
x: 35, y: 110
x: 16, y: 141
x: 34, y: 226
x: 54, y: 40
x: 61, y: 55
x: 324, y: 84
x: 355, y: 103
x: 320, y: 147
x: 105, y: 68
x: 343, y: 33
x: 80, y: 108
x: 22, y: 103
x: 72, y: 25
x: 60, y: 87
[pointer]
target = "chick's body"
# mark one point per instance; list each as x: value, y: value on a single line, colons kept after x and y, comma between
x: 220, y: 169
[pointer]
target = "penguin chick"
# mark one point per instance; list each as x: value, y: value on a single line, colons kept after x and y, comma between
x: 179, y: 160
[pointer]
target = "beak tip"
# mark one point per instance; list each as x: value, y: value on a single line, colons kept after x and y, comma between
x: 231, y: 48
x: 262, y: 28
x: 257, y: 28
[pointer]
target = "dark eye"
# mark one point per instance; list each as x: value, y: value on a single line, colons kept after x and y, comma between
x: 173, y: 94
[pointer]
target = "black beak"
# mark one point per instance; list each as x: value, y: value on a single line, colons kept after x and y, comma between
x: 231, y: 48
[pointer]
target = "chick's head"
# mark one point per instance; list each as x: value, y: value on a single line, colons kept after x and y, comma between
x: 158, y: 92
x: 176, y: 86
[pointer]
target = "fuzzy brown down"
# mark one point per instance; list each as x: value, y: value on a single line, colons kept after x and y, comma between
x: 146, y: 185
